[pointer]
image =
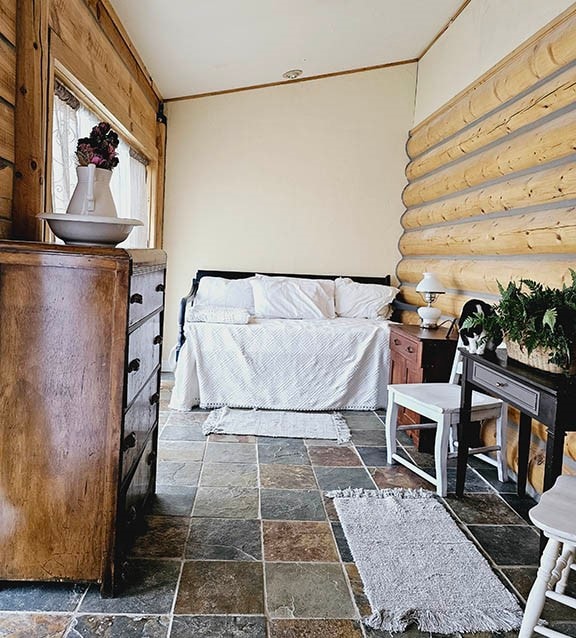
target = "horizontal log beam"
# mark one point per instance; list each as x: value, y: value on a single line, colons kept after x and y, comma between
x: 550, y: 141
x: 8, y: 20
x: 450, y: 304
x: 551, y: 231
x: 544, y: 187
x: 6, y: 132
x: 544, y: 100
x: 7, y: 72
x: 101, y: 71
x: 471, y: 275
x: 547, y: 51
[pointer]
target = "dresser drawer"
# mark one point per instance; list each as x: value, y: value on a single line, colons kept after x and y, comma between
x: 137, y: 423
x: 525, y: 398
x: 146, y: 294
x: 406, y: 347
x: 143, y: 355
x: 140, y: 487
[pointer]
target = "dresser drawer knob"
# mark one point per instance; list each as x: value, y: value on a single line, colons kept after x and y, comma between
x: 410, y: 349
x: 151, y: 458
x: 157, y: 340
x: 154, y: 398
x: 501, y: 384
x: 160, y: 288
x: 136, y: 298
x: 134, y: 365
x: 129, y: 441
x: 397, y: 342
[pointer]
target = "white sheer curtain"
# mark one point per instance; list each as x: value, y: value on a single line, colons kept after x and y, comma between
x: 128, y: 184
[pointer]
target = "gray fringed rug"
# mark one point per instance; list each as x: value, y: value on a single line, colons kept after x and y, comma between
x: 418, y: 567
x: 277, y: 423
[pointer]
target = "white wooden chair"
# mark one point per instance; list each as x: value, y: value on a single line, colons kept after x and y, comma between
x: 555, y: 515
x: 440, y: 402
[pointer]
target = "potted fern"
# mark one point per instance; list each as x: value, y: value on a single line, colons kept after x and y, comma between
x: 538, y: 324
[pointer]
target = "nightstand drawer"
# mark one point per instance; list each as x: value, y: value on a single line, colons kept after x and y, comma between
x: 406, y: 347
x: 523, y: 397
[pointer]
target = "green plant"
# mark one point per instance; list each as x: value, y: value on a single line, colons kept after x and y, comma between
x: 534, y: 316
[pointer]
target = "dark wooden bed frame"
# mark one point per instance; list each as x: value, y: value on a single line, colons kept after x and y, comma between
x: 235, y: 274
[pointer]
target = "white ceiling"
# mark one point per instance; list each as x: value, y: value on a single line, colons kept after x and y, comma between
x: 201, y: 46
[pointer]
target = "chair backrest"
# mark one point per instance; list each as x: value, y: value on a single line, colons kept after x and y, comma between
x: 456, y: 371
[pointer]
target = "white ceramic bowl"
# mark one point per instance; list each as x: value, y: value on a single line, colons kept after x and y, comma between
x: 90, y: 230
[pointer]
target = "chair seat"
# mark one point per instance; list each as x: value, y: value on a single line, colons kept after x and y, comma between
x: 555, y: 514
x: 445, y: 397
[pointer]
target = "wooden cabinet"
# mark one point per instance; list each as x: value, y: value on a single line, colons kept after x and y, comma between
x: 80, y: 351
x: 419, y: 356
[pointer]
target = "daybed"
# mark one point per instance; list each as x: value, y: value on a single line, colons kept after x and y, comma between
x: 277, y: 342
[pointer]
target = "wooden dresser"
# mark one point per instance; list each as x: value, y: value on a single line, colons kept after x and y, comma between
x: 80, y: 352
x: 420, y: 356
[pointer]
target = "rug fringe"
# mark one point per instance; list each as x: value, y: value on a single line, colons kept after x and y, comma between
x: 446, y: 621
x: 213, y: 424
x: 397, y: 492
x: 342, y: 430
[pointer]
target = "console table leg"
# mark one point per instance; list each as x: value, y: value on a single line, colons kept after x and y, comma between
x: 524, y: 436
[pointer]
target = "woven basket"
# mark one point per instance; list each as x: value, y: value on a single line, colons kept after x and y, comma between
x: 538, y: 358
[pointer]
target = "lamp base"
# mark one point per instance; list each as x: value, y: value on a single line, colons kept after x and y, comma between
x: 429, y: 317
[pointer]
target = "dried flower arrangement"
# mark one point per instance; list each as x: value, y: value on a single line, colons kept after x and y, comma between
x: 99, y: 148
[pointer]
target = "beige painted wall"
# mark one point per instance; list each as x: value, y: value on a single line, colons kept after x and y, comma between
x: 484, y: 33
x: 302, y: 178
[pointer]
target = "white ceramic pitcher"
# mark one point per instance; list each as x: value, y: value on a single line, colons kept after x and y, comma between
x: 92, y: 195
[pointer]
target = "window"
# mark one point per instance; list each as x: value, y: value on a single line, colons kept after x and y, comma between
x: 71, y: 120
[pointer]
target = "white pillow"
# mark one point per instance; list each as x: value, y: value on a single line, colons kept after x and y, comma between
x: 367, y: 301
x: 225, y: 293
x: 293, y: 298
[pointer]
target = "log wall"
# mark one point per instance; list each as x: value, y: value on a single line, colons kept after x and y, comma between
x: 84, y: 44
x: 7, y: 104
x: 491, y: 192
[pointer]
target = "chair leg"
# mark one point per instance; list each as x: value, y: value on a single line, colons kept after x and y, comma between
x: 441, y: 455
x: 501, y: 441
x: 564, y: 562
x: 537, y: 596
x: 391, y: 426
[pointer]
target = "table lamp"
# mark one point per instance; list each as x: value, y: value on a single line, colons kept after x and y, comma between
x: 429, y: 287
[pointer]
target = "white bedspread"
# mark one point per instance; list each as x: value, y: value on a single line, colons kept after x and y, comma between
x: 336, y: 364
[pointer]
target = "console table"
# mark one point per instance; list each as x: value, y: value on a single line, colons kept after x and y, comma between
x: 538, y: 395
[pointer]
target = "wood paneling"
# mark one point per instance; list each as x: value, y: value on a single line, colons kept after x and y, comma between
x: 5, y: 229
x: 8, y: 20
x: 492, y: 181
x: 547, y: 51
x: 6, y: 132
x: 7, y: 72
x: 547, y: 186
x: 6, y: 177
x: 102, y: 71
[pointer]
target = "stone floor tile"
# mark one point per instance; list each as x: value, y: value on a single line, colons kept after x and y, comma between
x: 21, y: 596
x: 508, y: 544
x: 33, y: 625
x: 307, y: 590
x: 218, y: 587
x: 302, y: 505
x: 164, y: 537
x: 398, y: 476
x: 373, y: 456
x: 474, y: 483
x: 229, y: 502
x: 178, y: 473
x: 330, y: 508
x: 298, y: 541
x: 326, y: 443
x: 291, y: 452
x: 192, y: 432
x: 224, y: 539
x: 119, y: 627
x: 288, y: 477
x: 520, y: 504
x: 315, y: 629
x: 482, y: 509
x: 231, y: 438
x: 357, y: 587
x: 195, y: 417
x: 288, y: 441
x: 334, y: 456
x: 339, y: 478
x: 343, y: 549
x: 490, y: 474
x: 172, y: 500
x: 230, y: 453
x: 218, y: 627
x: 181, y: 451
x: 229, y: 475
x: 365, y: 421
x: 365, y: 438
x: 149, y: 590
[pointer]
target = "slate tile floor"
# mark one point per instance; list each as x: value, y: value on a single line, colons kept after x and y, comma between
x: 241, y: 543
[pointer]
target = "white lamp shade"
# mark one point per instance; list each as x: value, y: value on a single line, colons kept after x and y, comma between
x: 430, y: 283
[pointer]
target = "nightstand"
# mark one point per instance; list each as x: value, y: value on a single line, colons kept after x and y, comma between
x: 420, y: 355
